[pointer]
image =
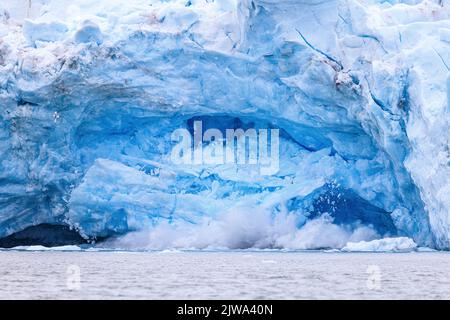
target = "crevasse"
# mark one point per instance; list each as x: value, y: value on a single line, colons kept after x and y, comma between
x: 90, y: 92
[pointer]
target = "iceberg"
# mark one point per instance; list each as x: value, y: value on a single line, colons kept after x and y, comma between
x: 91, y: 92
x: 69, y: 248
x: 382, y: 245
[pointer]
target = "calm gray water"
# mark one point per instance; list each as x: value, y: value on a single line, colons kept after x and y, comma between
x: 223, y: 275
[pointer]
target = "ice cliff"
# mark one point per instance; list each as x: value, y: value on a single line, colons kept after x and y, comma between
x: 90, y: 92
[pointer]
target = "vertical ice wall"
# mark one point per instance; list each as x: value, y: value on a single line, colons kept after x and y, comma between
x: 90, y: 92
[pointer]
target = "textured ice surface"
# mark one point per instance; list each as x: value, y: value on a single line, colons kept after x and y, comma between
x: 90, y: 92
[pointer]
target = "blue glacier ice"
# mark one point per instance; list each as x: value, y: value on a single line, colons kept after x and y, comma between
x: 91, y: 91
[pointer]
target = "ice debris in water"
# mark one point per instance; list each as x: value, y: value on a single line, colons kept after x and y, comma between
x: 401, y: 244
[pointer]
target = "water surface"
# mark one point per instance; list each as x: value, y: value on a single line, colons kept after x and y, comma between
x: 223, y: 275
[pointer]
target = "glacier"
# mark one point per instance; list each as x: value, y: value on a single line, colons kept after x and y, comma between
x: 90, y: 92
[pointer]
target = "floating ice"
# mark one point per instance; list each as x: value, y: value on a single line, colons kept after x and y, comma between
x: 382, y: 245
x: 42, y: 248
x: 90, y: 92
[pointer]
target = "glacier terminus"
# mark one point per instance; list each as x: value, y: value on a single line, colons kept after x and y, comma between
x: 358, y: 90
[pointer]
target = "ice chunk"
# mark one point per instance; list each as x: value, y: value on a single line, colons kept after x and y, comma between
x: 401, y: 244
x: 44, y: 31
x: 89, y: 32
x: 42, y: 248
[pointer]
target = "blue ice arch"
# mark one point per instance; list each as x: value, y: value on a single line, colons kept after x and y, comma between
x: 90, y: 93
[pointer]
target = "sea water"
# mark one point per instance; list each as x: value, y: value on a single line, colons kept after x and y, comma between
x: 223, y: 275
